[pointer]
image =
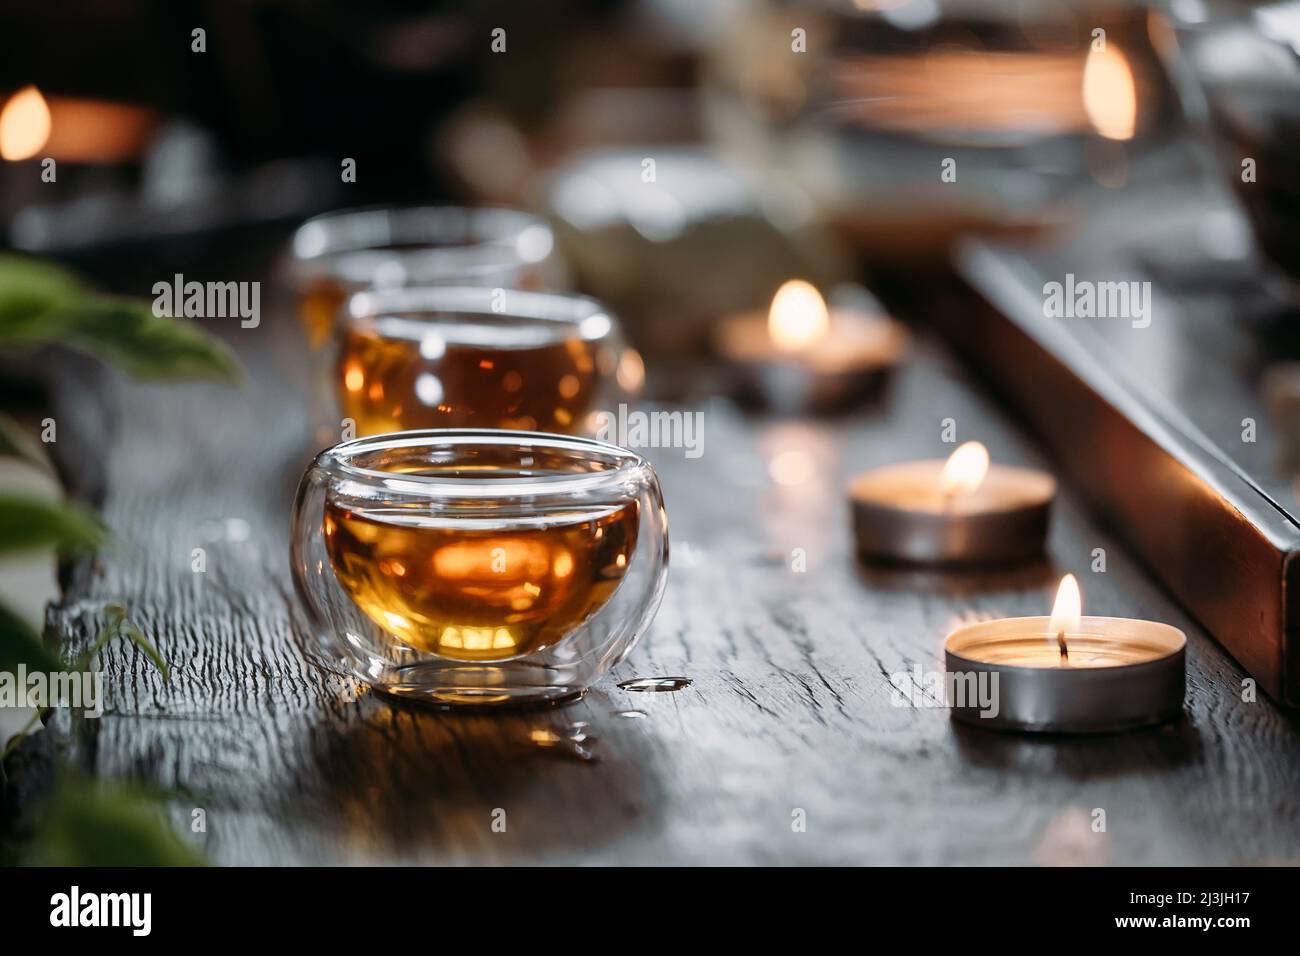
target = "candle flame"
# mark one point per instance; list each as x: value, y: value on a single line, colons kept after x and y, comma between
x: 1109, y: 94
x: 1067, y: 612
x: 964, y: 470
x: 631, y: 371
x: 798, y: 316
x: 24, y: 125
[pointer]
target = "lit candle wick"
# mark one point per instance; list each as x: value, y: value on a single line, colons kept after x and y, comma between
x: 1067, y: 615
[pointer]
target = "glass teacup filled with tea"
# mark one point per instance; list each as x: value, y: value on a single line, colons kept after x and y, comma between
x: 479, y: 566
x: 454, y: 357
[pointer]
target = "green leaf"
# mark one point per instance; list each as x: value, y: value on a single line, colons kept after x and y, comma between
x: 20, y: 644
x: 28, y: 289
x: 90, y: 823
x: 16, y: 443
x: 29, y: 523
x: 126, y: 333
x: 42, y: 304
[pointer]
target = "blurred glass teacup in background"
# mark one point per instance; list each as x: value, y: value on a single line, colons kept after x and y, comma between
x: 340, y: 253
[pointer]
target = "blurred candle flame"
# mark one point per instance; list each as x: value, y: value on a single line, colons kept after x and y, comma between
x: 792, y: 467
x: 24, y: 124
x: 1067, y: 611
x: 1110, y: 94
x: 798, y: 316
x: 631, y: 371
x: 964, y: 470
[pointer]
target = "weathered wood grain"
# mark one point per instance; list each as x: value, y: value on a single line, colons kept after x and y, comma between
x: 790, y: 706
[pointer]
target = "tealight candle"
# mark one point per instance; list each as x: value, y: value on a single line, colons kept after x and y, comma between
x: 1066, y: 673
x: 801, y: 356
x: 959, y: 511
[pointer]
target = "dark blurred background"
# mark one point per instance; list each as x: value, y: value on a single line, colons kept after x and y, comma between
x: 283, y: 79
x: 791, y: 138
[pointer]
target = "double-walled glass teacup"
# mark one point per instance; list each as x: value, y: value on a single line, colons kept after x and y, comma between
x: 453, y: 357
x: 340, y: 253
x: 479, y: 567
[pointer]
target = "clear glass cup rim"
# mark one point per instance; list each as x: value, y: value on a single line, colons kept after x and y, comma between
x: 395, y: 245
x: 626, y: 465
x: 590, y: 320
x: 378, y: 227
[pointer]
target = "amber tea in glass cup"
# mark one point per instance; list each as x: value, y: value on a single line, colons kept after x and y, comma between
x: 338, y: 254
x: 479, y: 567
x: 450, y: 357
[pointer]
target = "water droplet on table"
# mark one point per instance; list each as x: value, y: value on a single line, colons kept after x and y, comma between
x: 655, y: 685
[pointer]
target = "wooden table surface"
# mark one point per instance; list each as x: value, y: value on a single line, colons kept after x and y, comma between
x: 789, y: 707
